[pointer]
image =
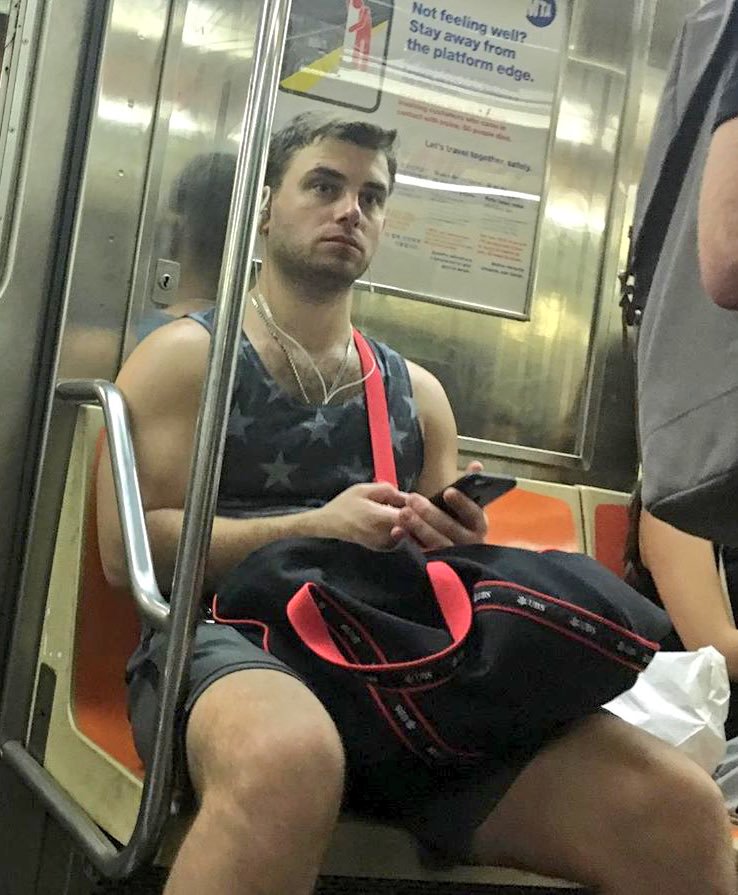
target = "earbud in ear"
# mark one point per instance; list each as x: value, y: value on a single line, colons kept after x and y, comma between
x: 265, y: 205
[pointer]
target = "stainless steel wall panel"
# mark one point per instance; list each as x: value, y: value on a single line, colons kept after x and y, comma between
x: 30, y: 296
x: 524, y: 383
x: 203, y: 94
x: 118, y: 153
x: 550, y: 397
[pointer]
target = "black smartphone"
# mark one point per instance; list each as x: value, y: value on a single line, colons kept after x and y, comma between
x: 481, y: 487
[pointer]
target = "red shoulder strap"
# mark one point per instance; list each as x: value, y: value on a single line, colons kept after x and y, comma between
x: 377, y: 413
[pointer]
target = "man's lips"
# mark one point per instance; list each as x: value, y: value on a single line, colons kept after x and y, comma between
x: 343, y: 240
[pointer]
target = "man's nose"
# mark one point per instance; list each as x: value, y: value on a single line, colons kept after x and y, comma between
x: 349, y: 209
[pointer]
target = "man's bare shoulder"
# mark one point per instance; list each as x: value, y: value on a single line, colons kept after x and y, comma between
x: 432, y: 402
x: 167, y: 365
x: 426, y: 388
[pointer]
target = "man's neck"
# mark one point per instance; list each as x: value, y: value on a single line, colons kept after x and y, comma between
x: 317, y: 322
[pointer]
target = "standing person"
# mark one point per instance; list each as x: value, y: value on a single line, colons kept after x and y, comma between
x: 688, y: 337
x: 265, y: 760
x: 681, y: 573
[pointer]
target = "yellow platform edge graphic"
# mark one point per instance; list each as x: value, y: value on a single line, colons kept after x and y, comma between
x: 304, y: 80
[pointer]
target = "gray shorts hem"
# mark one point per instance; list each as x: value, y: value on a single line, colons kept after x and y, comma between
x: 218, y: 651
x: 225, y: 671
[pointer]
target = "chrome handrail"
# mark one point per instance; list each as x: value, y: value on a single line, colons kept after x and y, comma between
x: 151, y: 605
x: 202, y: 492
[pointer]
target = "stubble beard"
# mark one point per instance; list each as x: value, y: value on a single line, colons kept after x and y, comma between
x: 319, y: 282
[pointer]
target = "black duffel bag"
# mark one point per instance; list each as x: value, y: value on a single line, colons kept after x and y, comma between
x: 449, y: 657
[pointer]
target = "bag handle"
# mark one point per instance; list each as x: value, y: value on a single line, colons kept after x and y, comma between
x: 380, y: 433
x: 311, y: 609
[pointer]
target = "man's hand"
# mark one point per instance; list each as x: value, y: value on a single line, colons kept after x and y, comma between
x: 432, y: 529
x: 364, y: 514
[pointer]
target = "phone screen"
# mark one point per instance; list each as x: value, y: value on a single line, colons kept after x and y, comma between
x: 336, y: 51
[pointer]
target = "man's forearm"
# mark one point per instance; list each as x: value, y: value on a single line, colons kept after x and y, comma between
x: 232, y: 539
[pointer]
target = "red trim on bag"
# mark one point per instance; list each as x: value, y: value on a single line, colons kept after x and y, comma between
x: 443, y: 577
x: 576, y: 609
x: 312, y: 629
x: 242, y: 621
x: 377, y: 413
x: 383, y: 708
x: 429, y: 729
x: 433, y: 733
x: 498, y: 607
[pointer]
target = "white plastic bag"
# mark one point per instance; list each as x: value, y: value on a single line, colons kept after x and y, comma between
x: 682, y: 698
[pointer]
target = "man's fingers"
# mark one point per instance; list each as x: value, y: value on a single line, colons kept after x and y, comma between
x: 467, y: 513
x: 422, y: 531
x: 435, y: 518
x: 384, y: 493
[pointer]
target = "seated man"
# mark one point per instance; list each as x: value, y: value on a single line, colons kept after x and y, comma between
x: 604, y: 804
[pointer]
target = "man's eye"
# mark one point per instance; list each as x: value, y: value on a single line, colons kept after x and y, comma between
x: 372, y: 201
x: 323, y: 188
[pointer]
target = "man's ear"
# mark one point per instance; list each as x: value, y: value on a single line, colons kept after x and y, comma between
x: 266, y: 206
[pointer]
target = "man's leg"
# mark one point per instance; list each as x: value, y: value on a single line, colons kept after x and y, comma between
x: 267, y: 765
x: 612, y: 807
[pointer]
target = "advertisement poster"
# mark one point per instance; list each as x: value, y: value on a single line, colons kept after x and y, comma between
x: 471, y: 87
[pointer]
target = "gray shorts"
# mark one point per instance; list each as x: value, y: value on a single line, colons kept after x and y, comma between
x: 441, y: 808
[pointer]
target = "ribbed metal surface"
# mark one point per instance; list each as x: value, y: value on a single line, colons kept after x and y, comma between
x: 152, y: 882
x: 346, y: 886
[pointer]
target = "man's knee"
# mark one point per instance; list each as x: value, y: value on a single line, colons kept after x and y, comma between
x: 689, y: 802
x: 262, y: 739
x: 665, y: 786
x: 673, y: 814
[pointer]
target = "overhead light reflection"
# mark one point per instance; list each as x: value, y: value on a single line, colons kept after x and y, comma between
x: 139, y: 115
x: 468, y: 189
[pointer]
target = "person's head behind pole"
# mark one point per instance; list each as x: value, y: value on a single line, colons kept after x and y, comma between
x: 327, y: 185
x: 200, y: 198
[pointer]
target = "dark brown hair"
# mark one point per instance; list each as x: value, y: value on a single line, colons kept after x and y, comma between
x: 310, y: 127
x: 201, y: 197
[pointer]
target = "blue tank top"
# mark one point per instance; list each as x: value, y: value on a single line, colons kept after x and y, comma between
x: 283, y: 456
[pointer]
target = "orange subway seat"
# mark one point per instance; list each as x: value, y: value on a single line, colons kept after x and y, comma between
x: 107, y: 632
x: 533, y: 521
x: 611, y: 530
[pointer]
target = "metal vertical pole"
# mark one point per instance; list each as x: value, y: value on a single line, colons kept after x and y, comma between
x: 207, y: 452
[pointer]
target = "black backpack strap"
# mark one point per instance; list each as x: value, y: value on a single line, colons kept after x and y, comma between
x: 644, y: 251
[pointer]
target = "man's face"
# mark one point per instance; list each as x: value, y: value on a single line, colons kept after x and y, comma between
x: 327, y: 215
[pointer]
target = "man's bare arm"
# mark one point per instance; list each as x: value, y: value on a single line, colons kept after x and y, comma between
x: 718, y: 218
x: 162, y: 383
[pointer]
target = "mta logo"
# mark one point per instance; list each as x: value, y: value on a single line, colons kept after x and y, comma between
x: 541, y: 13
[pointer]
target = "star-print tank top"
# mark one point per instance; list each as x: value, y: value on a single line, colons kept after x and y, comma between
x: 283, y: 456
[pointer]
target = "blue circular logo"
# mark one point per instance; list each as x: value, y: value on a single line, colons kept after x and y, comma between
x: 541, y: 13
